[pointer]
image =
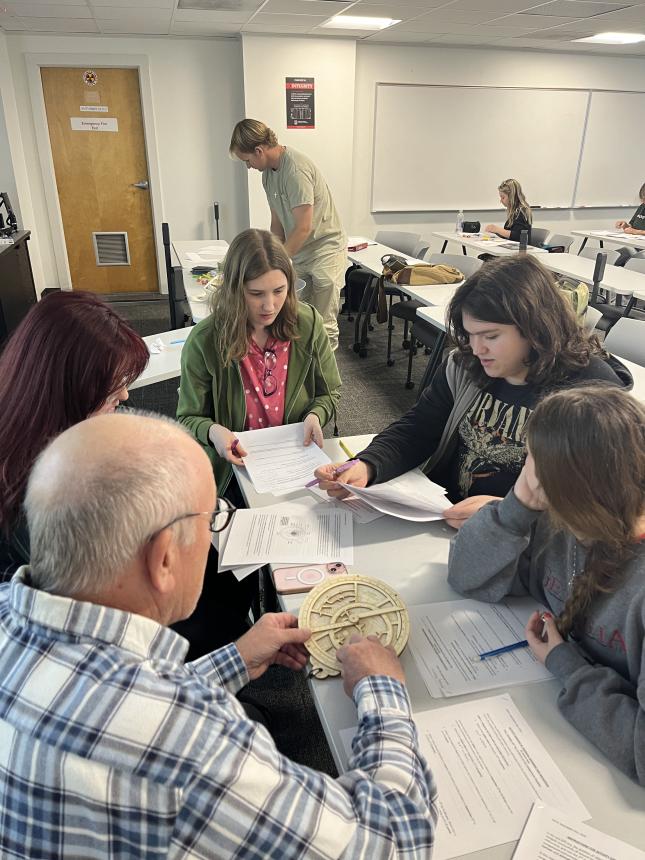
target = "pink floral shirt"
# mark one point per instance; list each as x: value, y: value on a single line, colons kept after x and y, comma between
x: 260, y: 375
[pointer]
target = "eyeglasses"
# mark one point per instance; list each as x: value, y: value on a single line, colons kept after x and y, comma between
x: 219, y: 518
x: 269, y: 383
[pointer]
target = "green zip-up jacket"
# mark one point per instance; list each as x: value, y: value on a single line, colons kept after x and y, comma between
x: 211, y: 393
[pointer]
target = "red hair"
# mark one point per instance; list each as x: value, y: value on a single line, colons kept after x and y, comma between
x: 67, y: 356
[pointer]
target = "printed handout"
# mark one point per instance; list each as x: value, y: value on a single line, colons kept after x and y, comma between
x: 410, y: 497
x: 447, y: 638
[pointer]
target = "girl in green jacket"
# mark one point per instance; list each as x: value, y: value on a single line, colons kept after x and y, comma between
x: 260, y: 359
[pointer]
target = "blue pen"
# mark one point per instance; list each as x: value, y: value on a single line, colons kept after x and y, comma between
x: 504, y: 649
x: 178, y: 341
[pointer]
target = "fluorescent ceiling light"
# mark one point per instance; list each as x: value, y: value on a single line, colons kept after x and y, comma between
x: 613, y: 38
x: 360, y: 22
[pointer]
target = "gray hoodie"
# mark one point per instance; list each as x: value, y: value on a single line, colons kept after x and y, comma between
x: 508, y: 549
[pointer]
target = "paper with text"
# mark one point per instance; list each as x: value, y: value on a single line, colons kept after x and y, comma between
x: 447, y: 638
x: 490, y: 768
x: 361, y: 511
x: 290, y: 534
x: 410, y: 497
x: 277, y: 459
x: 550, y: 835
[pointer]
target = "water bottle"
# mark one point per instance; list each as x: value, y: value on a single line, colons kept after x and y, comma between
x: 459, y: 227
x: 524, y: 241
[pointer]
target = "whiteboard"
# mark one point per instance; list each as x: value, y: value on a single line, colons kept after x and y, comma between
x: 612, y: 168
x: 444, y: 148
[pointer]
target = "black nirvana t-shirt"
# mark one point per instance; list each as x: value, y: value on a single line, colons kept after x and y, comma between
x: 638, y: 218
x: 490, y: 450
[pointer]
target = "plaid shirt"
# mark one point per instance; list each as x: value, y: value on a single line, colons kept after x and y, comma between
x: 111, y: 747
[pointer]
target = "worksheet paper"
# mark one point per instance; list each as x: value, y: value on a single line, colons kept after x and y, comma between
x: 277, y: 460
x: 219, y: 541
x: 352, y: 241
x: 549, y: 835
x: 489, y: 768
x: 410, y: 497
x: 447, y: 638
x: 289, y: 534
x: 361, y: 511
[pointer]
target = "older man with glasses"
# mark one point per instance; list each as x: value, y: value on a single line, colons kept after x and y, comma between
x: 111, y: 746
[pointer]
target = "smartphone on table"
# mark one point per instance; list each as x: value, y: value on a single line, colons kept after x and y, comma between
x: 292, y: 580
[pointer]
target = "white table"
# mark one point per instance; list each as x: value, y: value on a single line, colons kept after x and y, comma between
x: 412, y: 557
x: 621, y: 240
x: 493, y: 246
x: 616, y: 279
x: 167, y: 363
x: 199, y: 307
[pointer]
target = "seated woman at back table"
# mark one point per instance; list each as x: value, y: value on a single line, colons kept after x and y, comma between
x: 636, y: 225
x: 518, y: 212
x: 571, y: 534
x: 517, y: 338
x: 71, y: 357
x: 261, y: 359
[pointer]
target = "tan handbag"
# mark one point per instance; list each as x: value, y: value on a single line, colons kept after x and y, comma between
x: 396, y: 271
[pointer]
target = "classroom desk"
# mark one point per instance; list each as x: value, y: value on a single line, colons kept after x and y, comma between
x: 165, y: 364
x: 413, y: 557
x: 616, y: 279
x: 494, y: 247
x: 623, y: 240
x: 199, y: 308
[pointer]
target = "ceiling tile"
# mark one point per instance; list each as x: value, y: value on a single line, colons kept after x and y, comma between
x: 11, y: 23
x: 211, y: 17
x: 45, y: 3
x: 307, y: 7
x: 38, y: 10
x: 140, y: 28
x: 502, y: 7
x: 194, y: 28
x: 534, y: 22
x: 576, y: 8
x: 141, y: 4
x: 404, y: 9
x: 60, y: 25
x: 252, y: 27
x: 463, y: 16
x: 133, y: 14
x: 289, y: 20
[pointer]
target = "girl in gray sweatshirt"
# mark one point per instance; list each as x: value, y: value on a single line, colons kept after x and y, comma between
x: 571, y: 533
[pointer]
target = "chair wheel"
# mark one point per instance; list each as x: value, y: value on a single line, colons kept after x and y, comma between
x: 363, y: 352
x: 370, y: 328
x: 427, y: 351
x: 409, y: 385
x: 390, y: 362
x: 357, y: 347
x: 405, y: 344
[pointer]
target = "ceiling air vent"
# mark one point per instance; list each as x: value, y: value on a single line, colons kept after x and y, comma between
x: 111, y: 249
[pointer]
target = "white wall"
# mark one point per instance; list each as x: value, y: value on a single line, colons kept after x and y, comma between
x: 400, y: 64
x: 7, y: 177
x: 268, y: 60
x: 197, y: 98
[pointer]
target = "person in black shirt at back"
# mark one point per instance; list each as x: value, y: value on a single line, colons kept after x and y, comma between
x: 635, y: 226
x: 518, y: 212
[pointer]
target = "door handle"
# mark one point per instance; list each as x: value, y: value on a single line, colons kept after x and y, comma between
x: 142, y: 184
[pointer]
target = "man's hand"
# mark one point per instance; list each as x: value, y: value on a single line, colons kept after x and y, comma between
x: 275, y: 638
x: 457, y: 515
x: 363, y: 657
x: 226, y: 444
x: 528, y: 489
x: 358, y: 476
x: 313, y: 430
x: 542, y: 635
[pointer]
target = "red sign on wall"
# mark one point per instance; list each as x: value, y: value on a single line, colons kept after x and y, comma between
x: 301, y: 112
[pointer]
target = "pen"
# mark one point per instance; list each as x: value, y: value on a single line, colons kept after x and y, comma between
x: 234, y: 445
x: 342, y: 468
x: 346, y: 450
x: 504, y: 649
x: 178, y: 341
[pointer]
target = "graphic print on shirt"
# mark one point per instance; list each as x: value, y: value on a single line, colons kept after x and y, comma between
x: 491, y: 441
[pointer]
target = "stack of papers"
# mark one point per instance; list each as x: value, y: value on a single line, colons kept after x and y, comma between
x: 352, y: 241
x: 447, y: 638
x: 490, y: 768
x: 287, y: 533
x: 410, y: 497
x: 277, y: 460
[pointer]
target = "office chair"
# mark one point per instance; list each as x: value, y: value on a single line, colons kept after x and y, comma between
x: 180, y: 315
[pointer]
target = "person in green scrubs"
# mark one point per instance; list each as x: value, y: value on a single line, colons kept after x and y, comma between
x: 303, y: 215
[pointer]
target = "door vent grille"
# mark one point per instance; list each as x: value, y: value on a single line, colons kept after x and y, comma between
x: 111, y: 249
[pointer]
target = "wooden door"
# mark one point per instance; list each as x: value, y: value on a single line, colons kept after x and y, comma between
x: 98, y: 148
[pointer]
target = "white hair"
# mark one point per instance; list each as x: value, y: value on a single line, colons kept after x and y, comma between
x: 90, y: 513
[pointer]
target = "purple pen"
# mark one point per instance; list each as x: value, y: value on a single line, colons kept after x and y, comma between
x: 342, y: 468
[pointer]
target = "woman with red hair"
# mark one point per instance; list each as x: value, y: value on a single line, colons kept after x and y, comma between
x: 71, y: 357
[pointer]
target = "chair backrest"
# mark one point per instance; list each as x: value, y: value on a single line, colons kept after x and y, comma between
x: 636, y: 264
x: 592, y: 317
x: 558, y: 239
x: 592, y: 253
x: 177, y: 300
x: 421, y: 249
x: 626, y: 339
x: 465, y: 264
x: 397, y: 239
x: 538, y: 235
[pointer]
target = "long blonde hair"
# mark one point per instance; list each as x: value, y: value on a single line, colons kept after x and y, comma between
x: 250, y: 133
x: 251, y: 254
x: 516, y: 200
x: 588, y: 444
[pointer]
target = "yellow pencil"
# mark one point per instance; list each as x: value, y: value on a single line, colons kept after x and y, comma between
x: 346, y: 450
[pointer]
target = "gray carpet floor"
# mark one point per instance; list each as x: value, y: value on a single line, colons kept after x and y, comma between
x: 373, y: 395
